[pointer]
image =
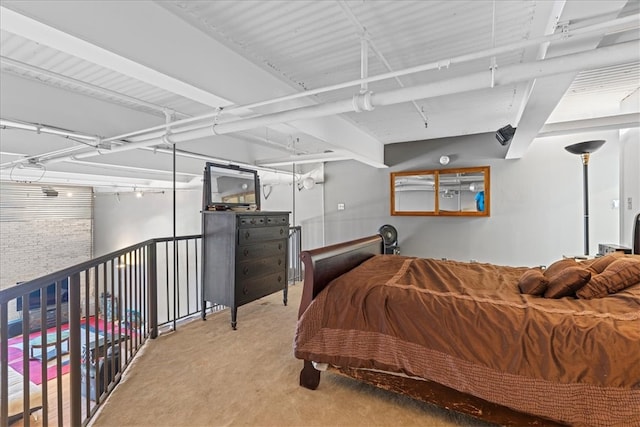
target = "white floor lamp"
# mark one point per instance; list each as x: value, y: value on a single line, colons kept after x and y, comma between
x: 584, y: 149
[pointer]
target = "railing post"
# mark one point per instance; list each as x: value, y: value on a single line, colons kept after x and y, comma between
x: 75, y: 377
x: 4, y: 368
x: 152, y: 283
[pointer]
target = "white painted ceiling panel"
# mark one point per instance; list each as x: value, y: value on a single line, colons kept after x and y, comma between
x: 288, y: 47
x: 42, y: 57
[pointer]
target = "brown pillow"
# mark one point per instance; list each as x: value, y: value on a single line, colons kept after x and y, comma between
x: 558, y: 266
x: 567, y: 282
x: 598, y: 265
x: 533, y: 282
x: 620, y: 274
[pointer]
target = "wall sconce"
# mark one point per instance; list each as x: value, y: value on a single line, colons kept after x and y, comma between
x: 266, y: 190
x: 505, y: 134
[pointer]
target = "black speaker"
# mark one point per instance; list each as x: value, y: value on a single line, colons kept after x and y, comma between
x: 390, y: 239
x: 505, y: 134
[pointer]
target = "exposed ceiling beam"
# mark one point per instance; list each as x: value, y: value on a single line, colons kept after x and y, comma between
x: 546, y: 92
x: 220, y: 60
x: 31, y: 29
x: 305, y: 159
x: 621, y: 121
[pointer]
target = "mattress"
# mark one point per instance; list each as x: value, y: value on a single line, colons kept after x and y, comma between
x: 467, y: 326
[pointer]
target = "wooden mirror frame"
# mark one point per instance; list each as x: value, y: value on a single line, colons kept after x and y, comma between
x: 437, y: 174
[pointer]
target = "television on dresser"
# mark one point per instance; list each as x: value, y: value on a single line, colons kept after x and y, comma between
x: 230, y: 187
x: 33, y: 301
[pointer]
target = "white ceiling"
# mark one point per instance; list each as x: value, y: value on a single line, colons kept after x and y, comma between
x: 118, y: 71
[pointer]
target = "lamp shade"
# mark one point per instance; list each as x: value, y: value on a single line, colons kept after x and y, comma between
x: 585, y: 147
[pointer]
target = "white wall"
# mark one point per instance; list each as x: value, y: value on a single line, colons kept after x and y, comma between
x: 536, y: 212
x: 123, y: 220
x: 630, y: 179
x: 308, y: 212
x: 629, y: 172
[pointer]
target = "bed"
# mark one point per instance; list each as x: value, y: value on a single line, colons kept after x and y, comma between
x: 464, y: 335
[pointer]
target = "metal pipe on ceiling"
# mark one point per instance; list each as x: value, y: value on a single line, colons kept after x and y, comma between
x: 609, y: 27
x: 601, y: 57
x: 367, y: 42
x: 597, y: 58
x: 85, y: 85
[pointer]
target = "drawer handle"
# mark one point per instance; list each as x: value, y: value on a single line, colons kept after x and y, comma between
x: 245, y: 271
x: 279, y: 245
x: 245, y: 290
x: 246, y: 252
x: 281, y: 231
x: 246, y: 235
x: 279, y: 261
x: 253, y: 221
x: 279, y: 278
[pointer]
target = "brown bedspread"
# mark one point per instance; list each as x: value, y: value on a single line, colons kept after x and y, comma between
x: 466, y: 325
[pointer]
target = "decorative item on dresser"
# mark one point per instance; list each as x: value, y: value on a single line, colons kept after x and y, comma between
x: 244, y: 257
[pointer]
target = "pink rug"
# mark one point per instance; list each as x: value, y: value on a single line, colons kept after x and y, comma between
x: 16, y: 353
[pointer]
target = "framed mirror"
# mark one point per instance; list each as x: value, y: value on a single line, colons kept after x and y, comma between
x: 229, y: 187
x: 443, y: 192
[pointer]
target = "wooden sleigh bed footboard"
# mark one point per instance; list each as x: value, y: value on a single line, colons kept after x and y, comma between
x: 320, y: 267
x: 325, y: 264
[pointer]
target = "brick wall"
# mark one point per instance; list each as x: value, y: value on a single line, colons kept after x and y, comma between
x: 31, y: 247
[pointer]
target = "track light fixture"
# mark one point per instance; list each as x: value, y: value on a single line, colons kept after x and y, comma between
x: 505, y: 134
x: 49, y: 192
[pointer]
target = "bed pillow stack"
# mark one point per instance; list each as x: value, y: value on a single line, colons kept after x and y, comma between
x: 589, y: 279
x: 618, y: 274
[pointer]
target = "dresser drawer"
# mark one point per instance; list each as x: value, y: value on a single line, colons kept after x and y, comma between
x: 248, y: 221
x: 251, y: 269
x: 250, y: 290
x: 278, y: 220
x: 253, y: 235
x: 261, y: 250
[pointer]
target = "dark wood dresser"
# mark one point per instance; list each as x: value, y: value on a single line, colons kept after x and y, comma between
x: 244, y: 257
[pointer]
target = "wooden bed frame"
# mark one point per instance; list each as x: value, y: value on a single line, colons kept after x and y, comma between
x: 323, y: 265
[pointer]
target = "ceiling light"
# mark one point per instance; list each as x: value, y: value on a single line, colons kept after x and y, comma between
x: 444, y: 160
x: 476, y: 186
